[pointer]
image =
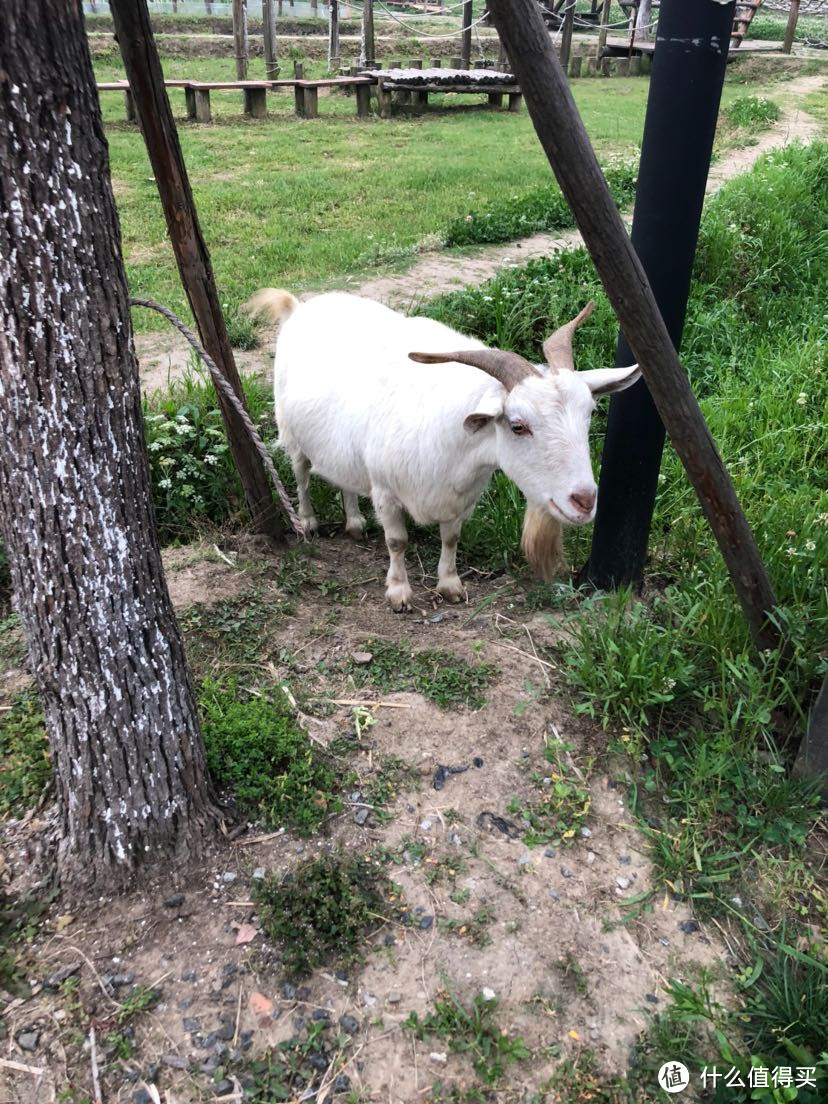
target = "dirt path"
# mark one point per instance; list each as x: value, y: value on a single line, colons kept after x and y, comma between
x: 164, y: 356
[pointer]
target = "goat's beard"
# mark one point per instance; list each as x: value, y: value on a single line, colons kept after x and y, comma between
x: 542, y: 543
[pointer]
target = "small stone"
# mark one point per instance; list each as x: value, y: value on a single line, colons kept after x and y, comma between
x: 567, y: 872
x: 141, y: 1096
x: 425, y: 824
x: 175, y: 1062
x: 524, y: 860
x: 369, y: 999
x: 594, y: 1033
x: 151, y: 1071
x: 53, y: 980
x: 119, y: 980
x: 341, y: 975
x: 737, y: 901
x: 688, y: 927
x: 319, y: 1062
x: 488, y: 994
x: 349, y: 1024
x: 390, y: 940
x: 226, y: 1032
x: 553, y: 893
x: 229, y: 876
x: 664, y: 941
x: 258, y: 873
x: 651, y: 998
x: 189, y: 975
x: 590, y: 857
x: 28, y: 1040
x: 361, y: 816
x: 394, y: 997
x: 477, y: 761
x: 321, y: 1015
x: 550, y: 853
x: 288, y: 991
x: 303, y: 993
x: 191, y: 1025
x: 361, y: 658
x: 622, y: 883
x: 625, y: 860
x: 438, y: 1056
x: 586, y: 832
x: 223, y: 1088
x: 760, y: 922
x: 209, y: 1042
x: 342, y: 1083
x: 176, y: 900
x: 426, y: 922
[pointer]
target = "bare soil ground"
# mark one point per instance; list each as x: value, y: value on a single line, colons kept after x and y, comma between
x: 556, y: 933
x: 164, y: 355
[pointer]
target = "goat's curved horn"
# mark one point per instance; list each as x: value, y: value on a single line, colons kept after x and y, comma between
x: 507, y: 368
x: 558, y: 348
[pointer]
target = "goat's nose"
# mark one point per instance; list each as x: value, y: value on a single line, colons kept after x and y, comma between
x: 583, y: 500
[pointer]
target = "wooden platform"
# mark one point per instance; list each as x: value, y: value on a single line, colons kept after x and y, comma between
x: 414, y: 86
x: 620, y: 47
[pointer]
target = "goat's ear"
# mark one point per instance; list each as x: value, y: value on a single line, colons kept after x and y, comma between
x: 606, y: 381
x: 489, y: 408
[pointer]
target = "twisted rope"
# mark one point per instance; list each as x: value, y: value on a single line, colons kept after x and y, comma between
x: 223, y: 385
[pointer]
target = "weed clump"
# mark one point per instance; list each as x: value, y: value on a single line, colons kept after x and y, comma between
x: 256, y: 749
x: 25, y: 763
x: 755, y: 112
x: 323, y: 910
x: 438, y: 675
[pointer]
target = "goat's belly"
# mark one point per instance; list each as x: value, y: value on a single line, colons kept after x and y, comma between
x: 440, y: 504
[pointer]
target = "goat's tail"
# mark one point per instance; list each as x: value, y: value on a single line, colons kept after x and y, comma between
x: 274, y: 304
x: 542, y: 542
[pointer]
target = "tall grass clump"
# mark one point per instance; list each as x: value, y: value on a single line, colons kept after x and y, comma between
x: 672, y: 675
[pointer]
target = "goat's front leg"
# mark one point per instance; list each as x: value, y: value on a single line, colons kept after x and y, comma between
x: 301, y: 469
x: 390, y: 515
x: 448, y: 581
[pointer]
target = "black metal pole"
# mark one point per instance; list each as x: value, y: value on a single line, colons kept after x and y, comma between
x: 685, y: 88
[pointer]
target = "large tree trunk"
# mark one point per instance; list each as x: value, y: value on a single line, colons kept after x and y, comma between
x: 75, y: 504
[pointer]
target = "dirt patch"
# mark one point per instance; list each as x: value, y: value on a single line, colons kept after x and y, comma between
x: 569, y: 937
x: 196, y: 575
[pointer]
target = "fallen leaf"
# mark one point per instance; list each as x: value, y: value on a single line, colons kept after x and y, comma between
x: 260, y: 1005
x: 574, y: 1035
x: 246, y: 933
x: 64, y: 921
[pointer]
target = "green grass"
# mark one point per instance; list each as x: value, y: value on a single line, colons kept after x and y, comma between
x: 756, y: 112
x: 323, y: 911
x: 471, y: 1029
x: 440, y: 676
x: 25, y: 762
x: 256, y: 748
x: 304, y: 204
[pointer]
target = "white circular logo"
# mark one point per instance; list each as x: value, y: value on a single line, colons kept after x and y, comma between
x: 673, y: 1077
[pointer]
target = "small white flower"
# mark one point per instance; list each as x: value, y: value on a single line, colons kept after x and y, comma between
x: 165, y: 483
x: 801, y: 398
x: 810, y: 546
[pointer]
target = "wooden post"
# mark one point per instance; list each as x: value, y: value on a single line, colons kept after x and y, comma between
x: 575, y: 67
x: 333, y: 31
x: 270, y: 48
x: 602, y: 30
x: 622, y: 67
x: 240, y: 37
x: 143, y: 71
x: 129, y: 106
x: 299, y: 70
x: 642, y: 20
x: 566, y: 143
x: 367, y: 48
x: 465, y: 47
x: 363, y: 100
x: 566, y: 34
x: 790, y: 29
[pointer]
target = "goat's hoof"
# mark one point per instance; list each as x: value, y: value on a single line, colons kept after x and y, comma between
x: 451, y: 590
x: 355, y: 532
x: 310, y: 526
x: 399, y: 598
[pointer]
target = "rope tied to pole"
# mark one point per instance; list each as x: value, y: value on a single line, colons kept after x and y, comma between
x: 222, y: 385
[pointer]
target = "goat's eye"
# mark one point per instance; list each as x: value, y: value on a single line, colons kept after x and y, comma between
x: 521, y: 429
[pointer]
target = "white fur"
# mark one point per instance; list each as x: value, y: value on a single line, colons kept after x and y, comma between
x: 352, y: 408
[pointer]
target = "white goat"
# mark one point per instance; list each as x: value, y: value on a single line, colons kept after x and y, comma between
x: 424, y: 440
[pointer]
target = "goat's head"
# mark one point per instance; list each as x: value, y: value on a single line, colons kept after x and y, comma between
x: 541, y: 419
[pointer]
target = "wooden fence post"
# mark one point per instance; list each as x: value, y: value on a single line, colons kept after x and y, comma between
x: 566, y: 143
x: 790, y: 29
x: 367, y: 49
x: 465, y: 47
x: 602, y: 30
x: 271, y: 54
x: 333, y: 31
x: 143, y: 71
x: 240, y: 37
x: 566, y: 33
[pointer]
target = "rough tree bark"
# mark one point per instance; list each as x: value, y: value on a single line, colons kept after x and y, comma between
x: 75, y: 505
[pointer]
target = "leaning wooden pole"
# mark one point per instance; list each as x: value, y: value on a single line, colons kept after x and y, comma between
x: 146, y: 81
x: 790, y: 29
x: 566, y: 143
x: 368, y: 51
x: 465, y: 40
x: 271, y: 53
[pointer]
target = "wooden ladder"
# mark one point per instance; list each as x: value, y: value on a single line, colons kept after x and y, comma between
x: 745, y: 11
